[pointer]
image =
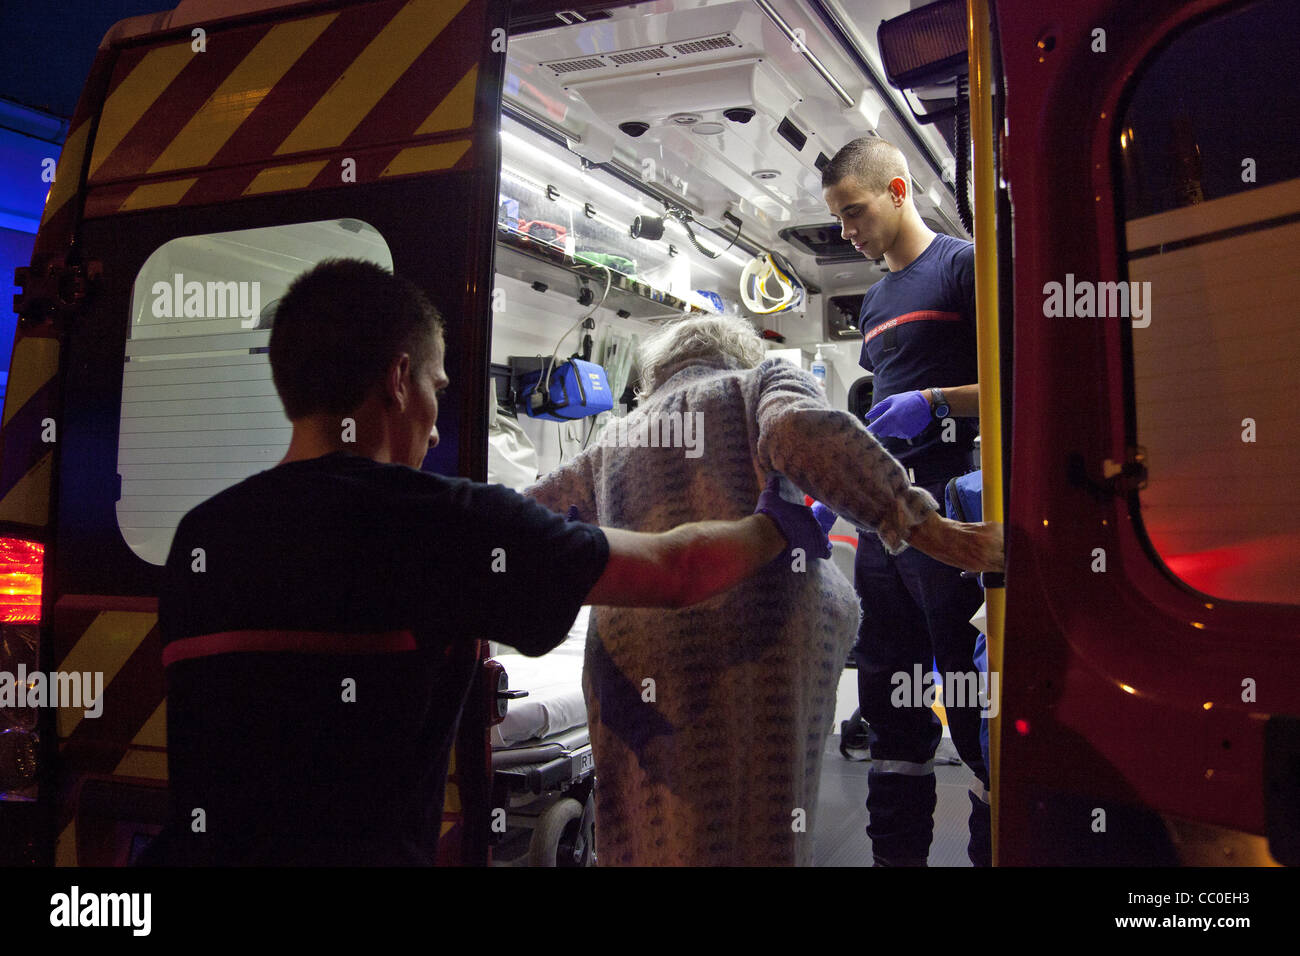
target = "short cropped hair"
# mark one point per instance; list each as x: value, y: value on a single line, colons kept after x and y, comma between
x: 870, y: 160
x: 338, y: 329
x: 729, y: 340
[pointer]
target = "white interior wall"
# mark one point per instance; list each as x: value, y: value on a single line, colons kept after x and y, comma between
x: 531, y: 323
x: 805, y: 330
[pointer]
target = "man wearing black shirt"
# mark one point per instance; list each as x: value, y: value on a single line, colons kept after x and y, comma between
x: 319, y: 619
x: 918, y: 325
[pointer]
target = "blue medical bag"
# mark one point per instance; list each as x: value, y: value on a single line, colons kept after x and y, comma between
x: 578, y: 389
x: 963, y: 497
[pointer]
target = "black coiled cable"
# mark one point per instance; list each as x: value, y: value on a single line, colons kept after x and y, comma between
x: 961, y: 150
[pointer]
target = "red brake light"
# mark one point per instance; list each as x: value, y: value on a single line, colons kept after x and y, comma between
x: 21, y: 566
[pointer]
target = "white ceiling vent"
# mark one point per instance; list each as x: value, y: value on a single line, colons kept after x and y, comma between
x: 723, y: 41
x: 637, y: 56
x: 618, y: 59
x: 572, y: 66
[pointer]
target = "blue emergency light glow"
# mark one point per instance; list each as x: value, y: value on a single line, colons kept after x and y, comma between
x: 578, y: 389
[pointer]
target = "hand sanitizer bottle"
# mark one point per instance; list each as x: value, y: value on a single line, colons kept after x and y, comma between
x: 819, y: 369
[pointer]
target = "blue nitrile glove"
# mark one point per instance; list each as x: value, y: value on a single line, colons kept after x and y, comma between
x: 904, y: 415
x: 825, y: 517
x: 794, y: 521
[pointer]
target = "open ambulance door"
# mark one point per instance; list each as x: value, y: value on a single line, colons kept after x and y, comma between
x: 1151, y: 706
x: 232, y: 150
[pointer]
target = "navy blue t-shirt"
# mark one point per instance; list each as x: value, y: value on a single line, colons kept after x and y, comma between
x: 342, y: 757
x: 918, y: 328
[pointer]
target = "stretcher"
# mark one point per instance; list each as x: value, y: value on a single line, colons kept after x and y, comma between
x: 543, y: 771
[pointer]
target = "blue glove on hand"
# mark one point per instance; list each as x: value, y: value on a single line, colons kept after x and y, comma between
x: 899, y: 416
x: 794, y: 521
x: 825, y: 517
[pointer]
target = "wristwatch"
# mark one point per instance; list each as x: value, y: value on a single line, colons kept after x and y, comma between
x: 939, y: 407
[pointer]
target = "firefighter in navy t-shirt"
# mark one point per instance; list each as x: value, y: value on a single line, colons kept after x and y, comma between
x: 918, y: 325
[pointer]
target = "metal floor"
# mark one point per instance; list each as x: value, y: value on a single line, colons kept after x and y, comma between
x: 839, y: 827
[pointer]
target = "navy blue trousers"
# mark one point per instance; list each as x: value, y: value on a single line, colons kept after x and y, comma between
x: 915, y: 610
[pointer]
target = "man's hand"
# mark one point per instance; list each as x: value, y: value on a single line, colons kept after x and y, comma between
x: 971, y: 546
x: 796, y: 522
x: 904, y: 415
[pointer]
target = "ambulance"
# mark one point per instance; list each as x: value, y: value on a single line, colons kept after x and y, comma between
x: 563, y: 178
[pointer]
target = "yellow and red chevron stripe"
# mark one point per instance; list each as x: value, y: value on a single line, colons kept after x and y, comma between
x: 25, y: 459
x: 273, y: 108
x: 59, y: 216
x: 227, y: 185
x: 118, y: 637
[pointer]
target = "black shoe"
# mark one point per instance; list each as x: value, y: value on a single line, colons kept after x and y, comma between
x: 900, y: 863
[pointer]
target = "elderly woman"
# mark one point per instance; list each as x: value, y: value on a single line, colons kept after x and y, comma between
x: 708, y: 723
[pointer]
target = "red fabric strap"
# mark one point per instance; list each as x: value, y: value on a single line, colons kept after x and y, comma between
x: 926, y: 316
x: 297, y: 642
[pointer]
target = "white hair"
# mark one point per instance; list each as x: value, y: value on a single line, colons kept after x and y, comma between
x: 729, y: 340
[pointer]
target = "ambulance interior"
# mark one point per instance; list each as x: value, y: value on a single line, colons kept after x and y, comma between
x: 649, y: 155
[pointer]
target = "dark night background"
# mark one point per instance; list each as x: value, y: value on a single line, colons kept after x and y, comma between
x: 1226, y: 88
x: 46, y: 51
x: 45, y: 56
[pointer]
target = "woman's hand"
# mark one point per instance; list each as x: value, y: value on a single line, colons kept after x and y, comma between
x: 971, y: 546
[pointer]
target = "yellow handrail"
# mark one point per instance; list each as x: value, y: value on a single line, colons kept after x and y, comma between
x: 986, y: 306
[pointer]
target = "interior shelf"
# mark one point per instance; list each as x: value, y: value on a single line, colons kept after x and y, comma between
x: 522, y: 257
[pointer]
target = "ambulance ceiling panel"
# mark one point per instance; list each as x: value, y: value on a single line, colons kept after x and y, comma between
x: 669, y: 72
x: 658, y: 54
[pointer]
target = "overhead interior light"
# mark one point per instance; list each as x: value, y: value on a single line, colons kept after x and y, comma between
x: 536, y: 151
x: 508, y: 173
x: 766, y: 173
x: 685, y: 119
x: 531, y: 182
x: 708, y: 129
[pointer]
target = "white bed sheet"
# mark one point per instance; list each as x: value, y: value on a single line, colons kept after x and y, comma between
x: 554, y: 684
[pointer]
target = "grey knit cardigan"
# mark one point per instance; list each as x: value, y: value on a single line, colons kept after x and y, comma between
x: 708, y: 723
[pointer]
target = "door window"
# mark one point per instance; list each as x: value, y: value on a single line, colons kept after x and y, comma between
x: 199, y: 410
x: 1211, y: 170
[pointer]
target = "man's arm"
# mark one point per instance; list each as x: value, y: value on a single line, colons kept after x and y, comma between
x: 688, y: 564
